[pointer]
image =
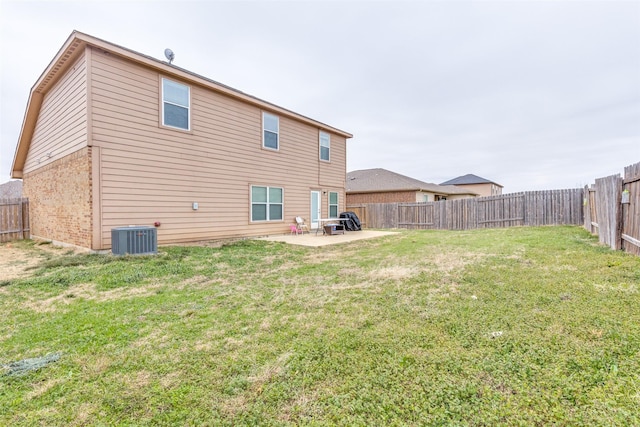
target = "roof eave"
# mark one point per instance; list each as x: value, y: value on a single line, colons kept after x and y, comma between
x: 443, y: 193
x: 26, y: 132
x: 76, y: 43
x: 381, y: 191
x: 478, y: 183
x: 58, y: 65
x: 176, y: 71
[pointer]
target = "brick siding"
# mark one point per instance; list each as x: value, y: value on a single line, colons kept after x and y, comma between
x: 388, y: 197
x: 60, y: 199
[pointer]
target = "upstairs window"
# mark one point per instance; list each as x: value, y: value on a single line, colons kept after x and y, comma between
x: 176, y: 101
x: 333, y: 204
x: 267, y: 203
x: 270, y: 131
x: 325, y: 146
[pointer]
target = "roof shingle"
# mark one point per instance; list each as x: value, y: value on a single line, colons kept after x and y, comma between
x: 469, y: 179
x: 382, y: 180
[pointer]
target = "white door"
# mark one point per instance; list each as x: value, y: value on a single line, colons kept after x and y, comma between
x: 315, y: 209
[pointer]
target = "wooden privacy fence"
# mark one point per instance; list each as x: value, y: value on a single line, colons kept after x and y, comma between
x: 554, y: 207
x: 14, y: 219
x: 612, y: 210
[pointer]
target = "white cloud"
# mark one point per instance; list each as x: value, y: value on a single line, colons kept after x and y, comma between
x: 529, y: 94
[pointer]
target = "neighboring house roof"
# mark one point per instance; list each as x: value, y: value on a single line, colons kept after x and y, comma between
x: 11, y: 190
x: 469, y: 179
x: 381, y: 180
x: 75, y: 46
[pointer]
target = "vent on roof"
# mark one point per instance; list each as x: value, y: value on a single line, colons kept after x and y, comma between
x: 137, y: 240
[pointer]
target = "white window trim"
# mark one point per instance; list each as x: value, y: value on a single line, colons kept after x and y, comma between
x: 162, y: 102
x: 267, y: 203
x: 337, y: 205
x: 264, y: 114
x: 320, y: 146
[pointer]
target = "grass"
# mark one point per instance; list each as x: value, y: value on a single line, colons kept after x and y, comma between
x: 521, y: 326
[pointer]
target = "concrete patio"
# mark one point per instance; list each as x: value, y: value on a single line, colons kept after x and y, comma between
x: 311, y: 239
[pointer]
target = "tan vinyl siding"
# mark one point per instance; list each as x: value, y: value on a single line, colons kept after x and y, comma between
x: 459, y: 196
x: 61, y: 128
x: 432, y: 196
x: 486, y: 189
x: 152, y: 173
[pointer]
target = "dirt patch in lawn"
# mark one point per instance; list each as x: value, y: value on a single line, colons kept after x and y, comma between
x: 15, y: 261
x: 88, y: 291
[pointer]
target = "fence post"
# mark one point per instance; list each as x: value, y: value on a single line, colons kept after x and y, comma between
x: 531, y: 208
x: 608, y: 199
x: 20, y: 221
x: 631, y: 209
x: 586, y: 209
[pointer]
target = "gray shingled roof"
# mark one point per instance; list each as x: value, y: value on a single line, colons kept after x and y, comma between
x: 469, y: 179
x: 11, y: 190
x: 382, y: 180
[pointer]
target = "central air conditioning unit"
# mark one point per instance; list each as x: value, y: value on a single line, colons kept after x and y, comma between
x: 134, y: 240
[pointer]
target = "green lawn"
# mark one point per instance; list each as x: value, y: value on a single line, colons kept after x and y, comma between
x: 520, y: 326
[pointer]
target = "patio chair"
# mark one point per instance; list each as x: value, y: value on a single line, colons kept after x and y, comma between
x: 301, y: 226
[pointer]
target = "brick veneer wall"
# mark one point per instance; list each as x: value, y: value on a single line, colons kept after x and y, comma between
x: 60, y: 199
x: 389, y: 197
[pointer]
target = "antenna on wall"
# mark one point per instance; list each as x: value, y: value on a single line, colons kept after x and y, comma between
x: 169, y: 54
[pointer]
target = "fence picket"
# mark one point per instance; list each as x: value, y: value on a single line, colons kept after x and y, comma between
x: 517, y: 209
x: 14, y: 219
x: 631, y: 210
x: 599, y: 209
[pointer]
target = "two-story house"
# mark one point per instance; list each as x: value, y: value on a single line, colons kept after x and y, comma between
x: 112, y: 137
x: 477, y: 184
x: 383, y: 186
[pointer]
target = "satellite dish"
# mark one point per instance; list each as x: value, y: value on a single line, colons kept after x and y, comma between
x: 169, y: 54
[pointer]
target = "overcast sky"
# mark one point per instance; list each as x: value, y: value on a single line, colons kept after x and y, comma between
x: 530, y: 94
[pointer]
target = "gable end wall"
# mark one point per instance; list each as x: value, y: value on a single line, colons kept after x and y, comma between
x: 57, y: 172
x: 61, y: 128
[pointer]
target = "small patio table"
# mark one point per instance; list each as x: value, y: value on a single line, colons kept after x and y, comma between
x: 325, y: 221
